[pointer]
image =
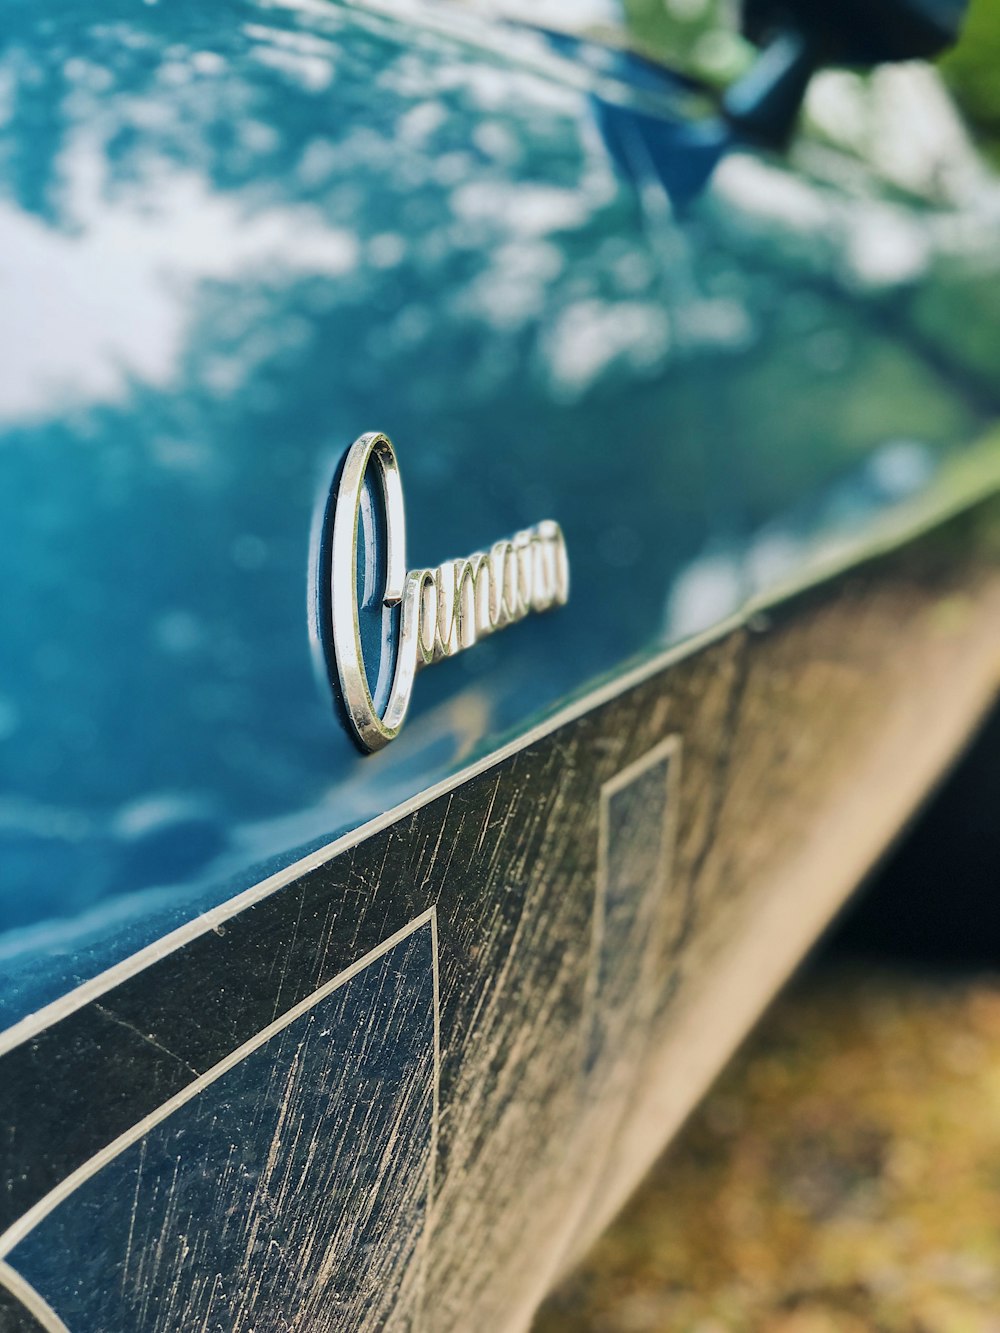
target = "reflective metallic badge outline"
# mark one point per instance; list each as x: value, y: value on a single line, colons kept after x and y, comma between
x: 441, y: 610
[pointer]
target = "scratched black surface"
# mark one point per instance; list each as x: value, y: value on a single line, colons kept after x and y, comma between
x: 511, y: 861
x: 14, y: 1318
x: 291, y: 1192
x: 76, y: 1086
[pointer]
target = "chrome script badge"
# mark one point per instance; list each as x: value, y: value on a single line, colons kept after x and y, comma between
x: 381, y: 623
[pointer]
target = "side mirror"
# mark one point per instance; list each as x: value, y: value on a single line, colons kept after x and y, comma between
x: 798, y: 37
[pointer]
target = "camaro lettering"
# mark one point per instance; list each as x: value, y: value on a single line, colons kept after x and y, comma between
x: 441, y: 610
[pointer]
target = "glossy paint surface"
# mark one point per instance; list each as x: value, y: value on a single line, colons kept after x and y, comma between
x: 234, y: 238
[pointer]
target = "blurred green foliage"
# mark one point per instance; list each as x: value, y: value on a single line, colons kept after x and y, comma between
x: 973, y: 71
x: 701, y: 36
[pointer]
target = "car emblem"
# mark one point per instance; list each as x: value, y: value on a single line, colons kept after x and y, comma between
x: 379, y: 623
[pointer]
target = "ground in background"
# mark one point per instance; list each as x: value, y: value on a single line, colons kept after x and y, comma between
x: 844, y: 1175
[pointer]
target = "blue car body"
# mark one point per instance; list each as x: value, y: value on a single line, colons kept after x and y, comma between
x: 232, y: 240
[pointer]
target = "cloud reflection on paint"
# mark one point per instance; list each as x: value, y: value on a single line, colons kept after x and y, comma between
x: 105, y: 297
